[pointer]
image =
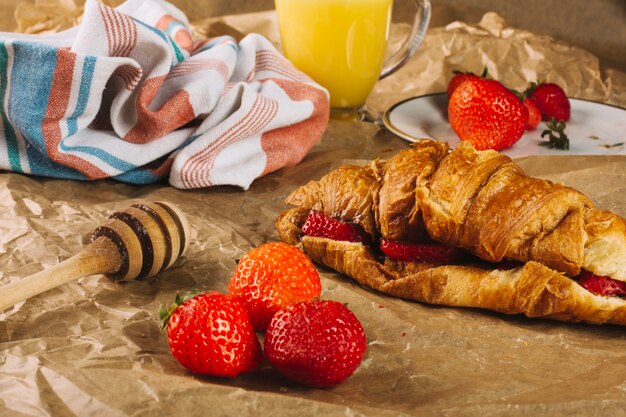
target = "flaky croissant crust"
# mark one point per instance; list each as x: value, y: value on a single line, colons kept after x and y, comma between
x: 477, y: 200
x: 480, y: 201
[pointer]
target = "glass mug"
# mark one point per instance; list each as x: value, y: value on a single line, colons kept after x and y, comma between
x: 341, y: 44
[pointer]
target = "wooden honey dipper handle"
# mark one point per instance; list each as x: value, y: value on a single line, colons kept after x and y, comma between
x: 135, y: 243
x: 100, y: 257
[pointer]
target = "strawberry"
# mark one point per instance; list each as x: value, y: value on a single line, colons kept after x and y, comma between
x: 436, y: 253
x: 317, y: 343
x: 211, y: 334
x: 601, y: 285
x: 487, y: 114
x: 460, y: 76
x: 271, y: 277
x: 320, y: 225
x: 534, y: 114
x: 551, y: 101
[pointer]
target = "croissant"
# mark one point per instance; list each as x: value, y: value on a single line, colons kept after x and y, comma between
x: 482, y: 202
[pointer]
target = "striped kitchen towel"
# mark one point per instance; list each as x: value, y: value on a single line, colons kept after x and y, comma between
x: 128, y: 94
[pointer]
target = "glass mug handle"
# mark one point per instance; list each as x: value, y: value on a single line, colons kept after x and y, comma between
x: 408, y: 48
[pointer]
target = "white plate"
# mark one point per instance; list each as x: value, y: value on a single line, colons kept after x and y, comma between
x: 593, y: 128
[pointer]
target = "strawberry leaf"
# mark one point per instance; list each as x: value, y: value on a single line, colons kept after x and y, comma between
x: 557, y: 139
x: 166, y: 312
x: 519, y: 94
x: 531, y: 87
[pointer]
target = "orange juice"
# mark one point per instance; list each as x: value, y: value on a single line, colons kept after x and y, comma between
x: 339, y: 43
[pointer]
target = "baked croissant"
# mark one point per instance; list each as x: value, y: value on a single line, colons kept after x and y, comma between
x: 479, y: 201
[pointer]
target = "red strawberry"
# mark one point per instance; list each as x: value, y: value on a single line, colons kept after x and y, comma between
x: 436, y: 253
x: 211, y: 334
x: 460, y: 76
x: 551, y: 101
x: 534, y: 114
x: 271, y: 277
x: 487, y: 114
x: 320, y: 225
x: 317, y: 343
x: 601, y: 285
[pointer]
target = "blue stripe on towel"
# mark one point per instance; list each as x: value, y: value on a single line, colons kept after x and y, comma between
x: 28, y: 101
x: 31, y: 88
x: 177, y: 52
x: 86, y: 78
x: 13, y: 153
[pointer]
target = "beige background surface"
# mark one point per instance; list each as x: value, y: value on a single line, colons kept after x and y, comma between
x: 598, y: 26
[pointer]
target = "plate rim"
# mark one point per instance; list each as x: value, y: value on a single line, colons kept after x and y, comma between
x: 395, y: 130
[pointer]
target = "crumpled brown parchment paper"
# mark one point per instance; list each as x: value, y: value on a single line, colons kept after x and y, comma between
x: 94, y: 347
x: 512, y: 56
x: 49, y: 16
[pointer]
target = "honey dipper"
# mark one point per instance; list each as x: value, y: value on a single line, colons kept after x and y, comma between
x: 135, y: 243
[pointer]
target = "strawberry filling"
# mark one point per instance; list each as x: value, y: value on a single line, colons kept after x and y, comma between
x: 601, y: 285
x: 431, y: 252
x: 318, y: 224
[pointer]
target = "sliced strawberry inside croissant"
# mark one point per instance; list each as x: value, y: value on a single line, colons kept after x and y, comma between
x: 479, y: 201
x: 317, y: 224
x: 602, y: 285
x: 320, y: 225
x: 426, y: 252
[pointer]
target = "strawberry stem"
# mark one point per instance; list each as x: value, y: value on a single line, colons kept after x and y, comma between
x: 530, y: 88
x: 557, y: 139
x: 519, y: 94
x: 166, y: 313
